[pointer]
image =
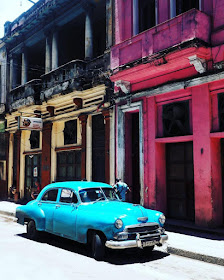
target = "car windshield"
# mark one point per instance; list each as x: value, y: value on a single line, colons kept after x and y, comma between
x: 110, y: 194
x: 97, y: 194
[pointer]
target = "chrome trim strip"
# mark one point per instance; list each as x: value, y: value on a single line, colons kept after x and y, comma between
x: 132, y: 243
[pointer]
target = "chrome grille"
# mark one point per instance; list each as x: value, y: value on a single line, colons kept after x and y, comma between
x: 148, y: 228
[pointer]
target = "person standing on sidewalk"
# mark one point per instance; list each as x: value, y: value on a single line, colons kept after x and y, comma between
x: 121, y: 188
x: 36, y: 190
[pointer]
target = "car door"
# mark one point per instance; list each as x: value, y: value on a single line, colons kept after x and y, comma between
x: 48, y: 203
x: 64, y: 222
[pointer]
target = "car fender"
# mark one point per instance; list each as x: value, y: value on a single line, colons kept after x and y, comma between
x: 29, y: 212
x: 84, y: 223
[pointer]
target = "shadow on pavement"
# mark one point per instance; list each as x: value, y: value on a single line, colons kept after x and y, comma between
x: 117, y: 257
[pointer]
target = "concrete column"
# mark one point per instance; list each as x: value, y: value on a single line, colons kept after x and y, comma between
x: 106, y: 115
x: 16, y: 163
x: 24, y: 74
x: 54, y: 51
x: 3, y: 82
x: 13, y: 72
x: 83, y: 119
x: 89, y: 34
x: 46, y: 154
x: 135, y: 17
x: 200, y: 5
x: 7, y: 139
x: 207, y: 166
x: 109, y: 23
x: 118, y: 25
x: 48, y: 55
x: 172, y: 8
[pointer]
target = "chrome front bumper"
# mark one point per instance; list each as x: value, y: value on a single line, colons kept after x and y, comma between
x: 137, y: 243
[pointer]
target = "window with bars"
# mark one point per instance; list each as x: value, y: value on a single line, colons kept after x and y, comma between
x: 70, y: 132
x: 69, y: 166
x: 176, y: 119
x: 35, y: 139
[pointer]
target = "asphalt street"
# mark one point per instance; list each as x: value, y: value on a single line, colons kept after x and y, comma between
x: 57, y: 258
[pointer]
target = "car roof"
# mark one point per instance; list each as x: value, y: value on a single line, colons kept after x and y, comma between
x: 78, y: 185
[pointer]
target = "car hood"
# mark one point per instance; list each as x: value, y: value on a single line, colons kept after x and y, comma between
x: 117, y: 209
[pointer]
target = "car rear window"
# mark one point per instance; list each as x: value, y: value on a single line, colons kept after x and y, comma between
x: 68, y: 196
x: 50, y: 195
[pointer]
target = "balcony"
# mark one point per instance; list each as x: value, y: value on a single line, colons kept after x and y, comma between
x: 64, y: 79
x: 27, y: 94
x: 183, y: 28
x: 42, y: 10
x: 74, y: 75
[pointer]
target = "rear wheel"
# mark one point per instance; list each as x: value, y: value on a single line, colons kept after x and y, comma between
x: 32, y: 232
x: 98, y: 247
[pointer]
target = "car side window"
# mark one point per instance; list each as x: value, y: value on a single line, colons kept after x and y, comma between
x: 68, y: 196
x: 50, y: 195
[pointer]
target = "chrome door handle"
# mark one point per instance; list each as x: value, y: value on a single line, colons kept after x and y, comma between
x: 39, y: 204
x: 57, y: 206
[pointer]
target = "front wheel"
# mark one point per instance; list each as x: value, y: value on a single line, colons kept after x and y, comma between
x: 148, y: 249
x: 32, y: 232
x: 98, y: 247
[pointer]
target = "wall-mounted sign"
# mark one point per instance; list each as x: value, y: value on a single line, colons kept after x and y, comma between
x: 28, y: 123
x: 35, y: 172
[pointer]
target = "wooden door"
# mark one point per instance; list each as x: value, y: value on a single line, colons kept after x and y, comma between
x: 180, y: 181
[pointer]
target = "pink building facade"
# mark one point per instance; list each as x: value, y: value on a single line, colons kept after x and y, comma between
x: 168, y: 69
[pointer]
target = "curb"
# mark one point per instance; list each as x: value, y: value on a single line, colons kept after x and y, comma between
x: 7, y: 213
x: 183, y: 229
x: 195, y: 256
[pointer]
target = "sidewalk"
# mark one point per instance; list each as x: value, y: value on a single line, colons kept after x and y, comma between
x: 205, y: 245
x: 8, y: 208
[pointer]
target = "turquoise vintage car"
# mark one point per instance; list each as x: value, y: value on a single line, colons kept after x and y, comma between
x: 92, y: 213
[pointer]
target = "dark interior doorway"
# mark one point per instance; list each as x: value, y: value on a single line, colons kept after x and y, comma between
x: 32, y: 173
x: 180, y: 181
x: 98, y: 149
x: 132, y: 158
x: 222, y: 166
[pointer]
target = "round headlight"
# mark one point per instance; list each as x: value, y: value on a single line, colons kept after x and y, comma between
x: 118, y: 223
x: 162, y: 219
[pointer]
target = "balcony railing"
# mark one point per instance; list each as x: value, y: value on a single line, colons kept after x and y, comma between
x: 63, y: 73
x: 35, y: 14
x: 185, y: 27
x: 74, y: 75
x: 23, y: 95
x: 62, y: 78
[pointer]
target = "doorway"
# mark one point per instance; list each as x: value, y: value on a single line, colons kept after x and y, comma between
x: 32, y: 173
x: 180, y: 181
x: 98, y: 149
x: 222, y: 166
x: 132, y: 158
